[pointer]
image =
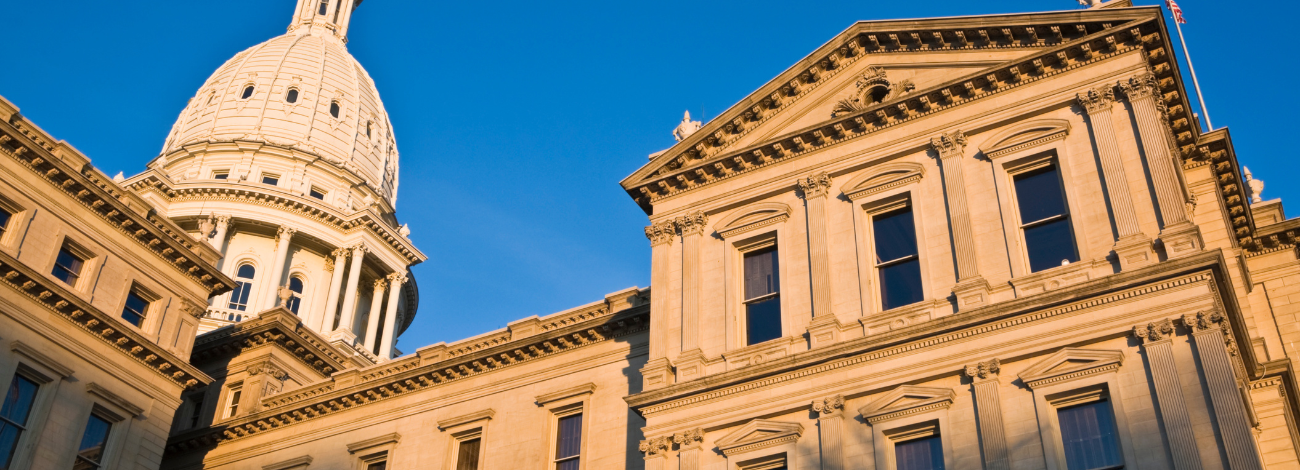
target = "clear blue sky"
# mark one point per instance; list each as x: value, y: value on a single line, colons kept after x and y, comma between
x: 516, y: 119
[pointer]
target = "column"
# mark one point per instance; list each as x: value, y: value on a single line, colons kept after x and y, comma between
x: 284, y: 236
x: 218, y: 239
x: 1133, y: 248
x: 830, y: 423
x: 658, y: 369
x: 691, y: 362
x: 1157, y: 343
x: 971, y: 289
x: 395, y: 281
x: 1229, y: 412
x: 988, y: 413
x: 655, y: 449
x: 350, y: 294
x: 372, y: 318
x: 325, y: 323
x: 1178, y: 234
x: 688, y: 448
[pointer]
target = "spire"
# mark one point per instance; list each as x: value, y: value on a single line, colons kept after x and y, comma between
x: 328, y: 15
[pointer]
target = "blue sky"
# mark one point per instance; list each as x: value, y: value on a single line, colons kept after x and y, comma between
x: 516, y: 119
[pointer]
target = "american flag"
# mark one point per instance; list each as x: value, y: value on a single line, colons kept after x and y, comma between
x: 1177, y: 12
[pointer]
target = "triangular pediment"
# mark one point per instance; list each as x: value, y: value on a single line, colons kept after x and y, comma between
x: 759, y: 433
x: 907, y: 400
x: 1069, y: 363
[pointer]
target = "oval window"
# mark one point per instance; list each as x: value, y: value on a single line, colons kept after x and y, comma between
x: 248, y: 93
x: 292, y: 95
x: 334, y: 109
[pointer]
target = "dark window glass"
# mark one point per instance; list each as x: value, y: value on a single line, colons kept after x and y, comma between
x: 271, y: 179
x: 5, y: 215
x: 196, y: 410
x: 243, y: 287
x: 334, y: 109
x: 67, y: 266
x: 135, y: 308
x: 324, y: 6
x: 368, y: 129
x: 569, y: 442
x: 295, y: 285
x: 896, y: 258
x: 292, y: 95
x: 232, y: 405
x: 762, y: 296
x: 467, y: 456
x: 221, y: 175
x: 1049, y: 241
x: 316, y: 193
x: 919, y: 454
x: 248, y: 93
x: 92, y: 444
x: 1088, y: 435
x: 13, y: 415
x: 378, y: 466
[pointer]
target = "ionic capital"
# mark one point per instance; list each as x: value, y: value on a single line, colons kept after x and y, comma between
x: 1154, y: 331
x: 983, y: 370
x: 1139, y: 87
x: 949, y: 145
x: 829, y: 406
x: 815, y: 186
x: 660, y: 233
x: 1203, y: 321
x: 1097, y: 99
x: 689, y: 438
x: 656, y: 446
x: 693, y: 223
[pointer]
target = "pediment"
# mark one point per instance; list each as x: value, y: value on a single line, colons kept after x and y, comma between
x: 1024, y: 135
x: 907, y: 400
x: 883, y: 178
x: 1071, y: 363
x: 753, y: 216
x: 758, y: 434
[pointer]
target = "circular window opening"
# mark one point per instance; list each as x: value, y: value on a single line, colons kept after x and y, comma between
x: 877, y: 94
x: 334, y: 109
x: 292, y: 95
x: 248, y: 93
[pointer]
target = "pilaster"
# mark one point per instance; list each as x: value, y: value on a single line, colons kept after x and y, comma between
x: 830, y: 423
x: 656, y: 450
x: 1229, y: 411
x: 658, y: 370
x: 1157, y: 343
x: 688, y: 448
x: 972, y: 289
x: 1133, y: 248
x: 824, y: 328
x: 692, y: 357
x: 988, y: 412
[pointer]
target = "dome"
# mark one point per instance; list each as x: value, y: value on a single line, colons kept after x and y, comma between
x: 300, y: 90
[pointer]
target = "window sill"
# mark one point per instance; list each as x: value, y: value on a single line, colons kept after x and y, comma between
x: 1057, y: 277
x: 902, y: 317
x: 756, y: 354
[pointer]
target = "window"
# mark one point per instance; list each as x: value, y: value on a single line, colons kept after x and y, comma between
x: 324, y: 7
x: 762, y: 296
x: 295, y: 286
x: 232, y: 401
x: 67, y: 266
x: 291, y: 96
x: 221, y: 174
x: 271, y: 179
x: 1044, y: 218
x: 316, y: 193
x: 1088, y: 436
x: 13, y: 415
x: 897, y: 262
x: 5, y: 215
x: 243, y: 287
x: 196, y: 410
x: 137, y: 305
x: 334, y: 109
x: 90, y: 453
x: 380, y: 465
x: 368, y: 126
x: 248, y: 92
x: 467, y: 454
x: 919, y: 454
x: 568, y: 442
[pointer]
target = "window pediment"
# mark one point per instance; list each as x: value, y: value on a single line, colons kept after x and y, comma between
x: 883, y: 178
x: 1071, y: 363
x: 1024, y: 135
x: 907, y: 400
x: 753, y: 216
x: 758, y: 434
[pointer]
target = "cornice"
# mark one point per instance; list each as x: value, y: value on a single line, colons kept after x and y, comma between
x: 274, y: 327
x: 68, y: 306
x: 86, y: 185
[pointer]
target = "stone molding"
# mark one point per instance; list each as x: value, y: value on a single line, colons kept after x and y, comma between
x: 883, y: 178
x: 277, y: 326
x: 296, y: 463
x: 484, y: 415
x: 34, y: 355
x: 759, y: 434
x: 1070, y: 364
x: 751, y: 217
x: 392, y: 438
x: 584, y: 389
x: 269, y: 369
x: 907, y: 400
x: 115, y: 400
x: 815, y: 186
x: 1025, y: 135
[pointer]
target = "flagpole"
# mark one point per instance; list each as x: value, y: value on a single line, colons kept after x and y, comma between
x: 1205, y: 112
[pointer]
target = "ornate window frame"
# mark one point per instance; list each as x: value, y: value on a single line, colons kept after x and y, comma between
x: 463, y: 428
x: 224, y: 401
x: 18, y: 221
x: 374, y: 450
x: 154, y: 313
x: 762, y: 444
x: 747, y: 229
x: 1055, y: 386
x: 908, y: 412
x: 563, y: 403
x: 48, y: 373
x: 119, y: 412
x: 91, y: 263
x: 873, y: 191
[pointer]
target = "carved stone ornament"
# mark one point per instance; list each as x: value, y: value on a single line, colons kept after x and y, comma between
x: 1097, y: 99
x: 983, y: 370
x: 655, y: 446
x: 206, y: 228
x: 329, y: 264
x: 359, y: 249
x: 1201, y: 321
x: 829, y: 406
x: 381, y: 283
x: 395, y: 280
x: 949, y: 145
x: 1139, y: 87
x: 284, y: 293
x: 693, y: 223
x: 268, y: 369
x: 194, y: 310
x: 340, y: 252
x: 222, y: 220
x: 286, y: 232
x: 815, y: 185
x: 660, y: 233
x: 689, y: 437
x: 1154, y: 331
x: 686, y: 128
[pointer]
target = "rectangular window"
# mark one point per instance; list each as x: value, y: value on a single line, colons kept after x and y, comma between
x: 919, y: 454
x: 90, y: 453
x: 13, y: 415
x: 221, y: 174
x: 317, y: 193
x: 1088, y: 436
x: 232, y: 401
x: 137, y: 305
x: 568, y: 442
x: 5, y: 216
x: 271, y: 179
x: 898, y: 263
x: 196, y: 410
x: 380, y: 465
x: 67, y: 266
x: 1044, y: 217
x: 467, y: 454
x: 762, y: 296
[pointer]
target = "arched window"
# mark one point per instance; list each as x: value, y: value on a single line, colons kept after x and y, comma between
x: 248, y: 92
x: 291, y: 96
x: 243, y: 287
x: 368, y: 126
x: 295, y: 285
x: 324, y: 6
x: 334, y: 109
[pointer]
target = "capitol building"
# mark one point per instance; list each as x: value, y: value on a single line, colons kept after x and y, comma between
x: 1000, y: 242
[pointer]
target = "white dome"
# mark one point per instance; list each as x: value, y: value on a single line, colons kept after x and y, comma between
x: 311, y: 67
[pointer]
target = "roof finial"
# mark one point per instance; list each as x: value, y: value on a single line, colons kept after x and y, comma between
x: 686, y: 128
x: 329, y: 15
x: 1256, y: 186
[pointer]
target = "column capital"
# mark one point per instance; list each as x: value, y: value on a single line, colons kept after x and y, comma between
x: 817, y: 185
x: 655, y: 446
x: 689, y: 439
x: 381, y: 283
x: 340, y: 253
x: 693, y: 223
x: 949, y: 145
x: 983, y: 371
x: 1154, y: 331
x: 396, y: 279
x: 286, y: 232
x: 359, y: 249
x: 829, y: 407
x: 1139, y: 87
x: 661, y: 233
x: 1097, y: 99
x: 1203, y: 321
x: 222, y: 219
